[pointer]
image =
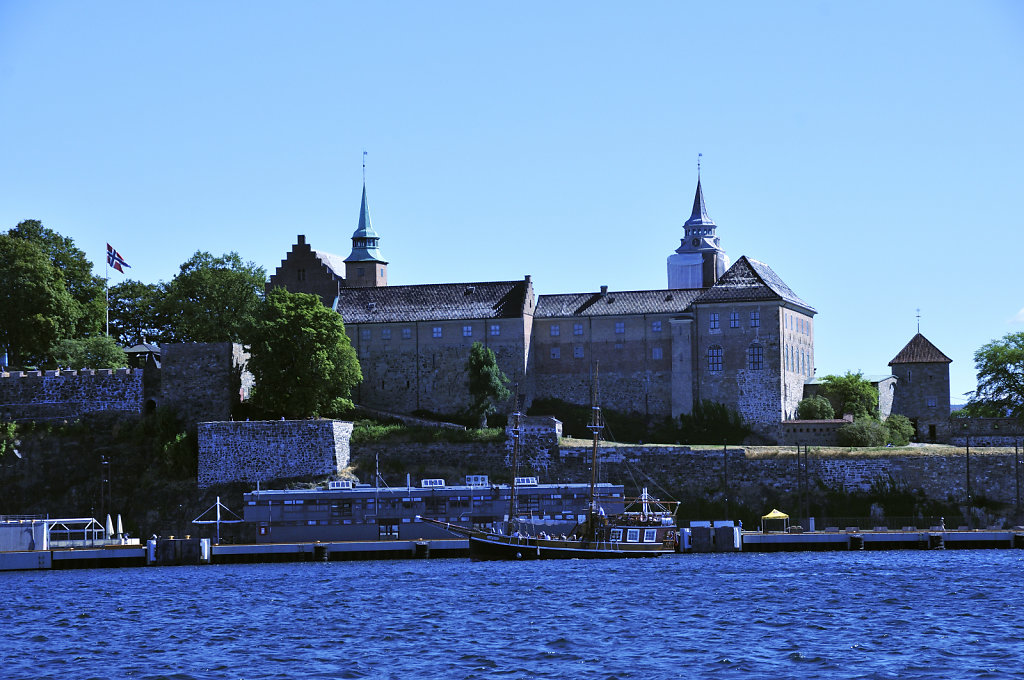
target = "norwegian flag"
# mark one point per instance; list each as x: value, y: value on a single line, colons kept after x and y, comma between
x: 115, y: 260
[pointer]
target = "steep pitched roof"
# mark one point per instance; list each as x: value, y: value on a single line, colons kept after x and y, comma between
x: 335, y: 263
x: 699, y: 214
x: 433, y: 302
x: 365, y: 241
x: 614, y: 303
x: 920, y: 351
x: 749, y: 280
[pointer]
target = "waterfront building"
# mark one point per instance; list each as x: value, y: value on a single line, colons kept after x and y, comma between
x: 922, y: 388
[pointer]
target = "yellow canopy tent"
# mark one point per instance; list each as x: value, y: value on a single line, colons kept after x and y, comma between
x: 775, y: 516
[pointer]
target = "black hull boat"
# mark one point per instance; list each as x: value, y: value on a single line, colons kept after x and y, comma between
x: 617, y: 542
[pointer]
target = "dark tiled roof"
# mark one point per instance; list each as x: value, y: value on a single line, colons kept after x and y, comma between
x: 920, y: 351
x: 433, y: 302
x: 615, y: 303
x: 749, y: 280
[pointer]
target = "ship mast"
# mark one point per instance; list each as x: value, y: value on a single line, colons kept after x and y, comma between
x: 513, y: 501
x: 595, y: 428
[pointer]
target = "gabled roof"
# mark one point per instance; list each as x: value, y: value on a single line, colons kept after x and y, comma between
x: 699, y: 214
x: 335, y: 263
x: 433, y: 302
x: 615, y: 303
x: 749, y: 280
x: 920, y: 351
x: 143, y: 348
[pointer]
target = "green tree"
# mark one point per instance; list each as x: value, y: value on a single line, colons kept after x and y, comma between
x: 134, y: 315
x: 899, y: 429
x: 712, y: 423
x: 1000, y: 366
x: 212, y: 299
x: 815, y: 408
x: 488, y: 386
x: 300, y: 356
x: 75, y: 269
x: 862, y: 432
x: 37, y: 308
x: 95, y: 352
x: 850, y: 393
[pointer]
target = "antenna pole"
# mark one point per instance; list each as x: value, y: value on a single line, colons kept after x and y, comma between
x: 364, y: 166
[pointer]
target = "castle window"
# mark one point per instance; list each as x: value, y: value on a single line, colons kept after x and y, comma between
x: 385, y: 333
x: 359, y: 271
x: 437, y: 331
x: 301, y: 274
x: 713, y: 322
x: 932, y: 402
x: 715, y: 359
x: 382, y: 271
x: 655, y: 352
x: 554, y: 329
x: 556, y: 353
x: 734, y: 319
x: 656, y: 326
x: 406, y: 333
x: 755, y: 319
x: 365, y: 334
x: 495, y: 329
x: 620, y: 326
x: 755, y: 357
x: 467, y: 331
x: 577, y: 351
x: 577, y: 329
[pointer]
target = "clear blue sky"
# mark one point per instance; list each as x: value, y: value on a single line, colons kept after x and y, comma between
x: 871, y: 153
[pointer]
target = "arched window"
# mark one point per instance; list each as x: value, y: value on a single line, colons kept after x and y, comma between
x: 715, y: 359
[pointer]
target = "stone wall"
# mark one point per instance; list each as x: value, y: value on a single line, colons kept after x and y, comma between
x: 204, y: 381
x: 42, y: 395
x: 813, y: 432
x: 986, y: 431
x: 262, y: 451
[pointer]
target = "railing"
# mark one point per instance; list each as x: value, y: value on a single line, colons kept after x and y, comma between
x: 871, y: 523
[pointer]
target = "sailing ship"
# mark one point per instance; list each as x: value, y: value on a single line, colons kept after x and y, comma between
x: 645, y: 528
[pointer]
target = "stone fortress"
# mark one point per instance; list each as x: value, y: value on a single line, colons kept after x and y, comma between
x: 737, y: 335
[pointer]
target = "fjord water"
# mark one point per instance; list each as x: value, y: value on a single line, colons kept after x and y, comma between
x: 867, y: 614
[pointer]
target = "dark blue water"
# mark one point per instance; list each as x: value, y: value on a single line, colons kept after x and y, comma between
x: 869, y: 614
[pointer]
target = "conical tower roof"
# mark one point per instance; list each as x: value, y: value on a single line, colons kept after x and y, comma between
x: 920, y: 351
x: 699, y: 215
x: 365, y: 241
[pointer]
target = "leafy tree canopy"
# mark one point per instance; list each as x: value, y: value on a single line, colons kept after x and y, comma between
x: 850, y: 394
x: 300, y: 356
x: 815, y: 408
x: 488, y: 386
x: 75, y: 269
x: 712, y: 423
x: 900, y: 430
x: 212, y: 299
x: 95, y: 352
x: 37, y: 308
x: 134, y: 315
x: 1000, y: 366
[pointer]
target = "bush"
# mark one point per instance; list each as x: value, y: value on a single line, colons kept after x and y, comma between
x: 863, y: 432
x: 815, y: 408
x: 899, y: 430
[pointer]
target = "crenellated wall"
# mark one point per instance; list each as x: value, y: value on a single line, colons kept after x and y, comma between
x: 44, y: 395
x: 260, y: 451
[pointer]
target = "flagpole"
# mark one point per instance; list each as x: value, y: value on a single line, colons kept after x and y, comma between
x: 106, y: 290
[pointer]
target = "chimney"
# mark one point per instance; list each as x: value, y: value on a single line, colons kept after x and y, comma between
x: 604, y: 291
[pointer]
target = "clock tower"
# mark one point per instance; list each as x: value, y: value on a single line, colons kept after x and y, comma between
x: 699, y: 261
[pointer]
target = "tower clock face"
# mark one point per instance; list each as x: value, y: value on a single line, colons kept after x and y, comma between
x: 695, y: 242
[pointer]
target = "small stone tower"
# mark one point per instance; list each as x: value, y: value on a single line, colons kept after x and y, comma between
x: 365, y: 267
x: 699, y: 261
x: 922, y: 388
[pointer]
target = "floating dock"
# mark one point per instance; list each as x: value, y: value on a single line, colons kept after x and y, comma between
x: 856, y: 539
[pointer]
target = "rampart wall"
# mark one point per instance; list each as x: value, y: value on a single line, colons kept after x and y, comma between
x: 45, y: 395
x: 261, y: 451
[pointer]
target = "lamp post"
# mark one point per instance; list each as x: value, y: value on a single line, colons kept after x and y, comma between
x: 967, y: 442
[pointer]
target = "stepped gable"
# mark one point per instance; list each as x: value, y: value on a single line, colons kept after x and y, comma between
x: 615, y: 303
x: 434, y: 302
x: 749, y: 280
x: 920, y: 351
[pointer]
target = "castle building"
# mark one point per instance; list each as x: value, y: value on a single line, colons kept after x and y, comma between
x: 736, y: 335
x: 922, y: 388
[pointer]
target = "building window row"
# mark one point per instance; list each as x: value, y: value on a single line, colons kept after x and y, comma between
x: 755, y: 357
